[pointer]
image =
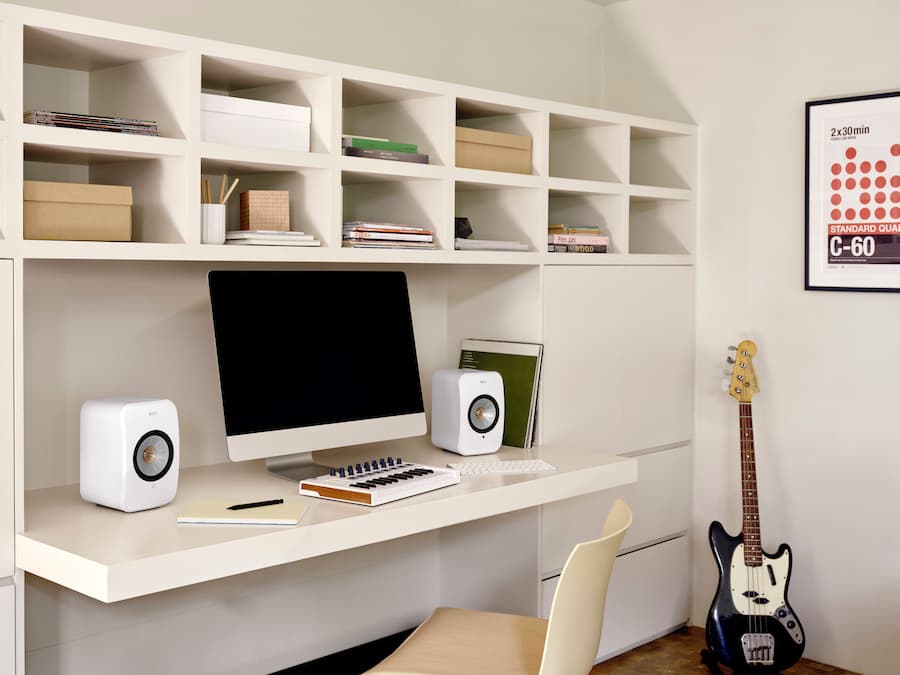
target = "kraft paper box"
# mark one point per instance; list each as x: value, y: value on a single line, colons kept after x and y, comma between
x: 266, y: 210
x: 492, y: 150
x: 77, y: 211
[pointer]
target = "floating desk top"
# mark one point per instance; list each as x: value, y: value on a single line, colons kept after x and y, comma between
x: 112, y: 556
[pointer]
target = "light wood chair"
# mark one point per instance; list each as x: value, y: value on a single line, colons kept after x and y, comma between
x: 466, y: 642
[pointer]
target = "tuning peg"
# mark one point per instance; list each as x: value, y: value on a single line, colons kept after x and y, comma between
x: 728, y: 359
x: 726, y: 384
x: 732, y: 348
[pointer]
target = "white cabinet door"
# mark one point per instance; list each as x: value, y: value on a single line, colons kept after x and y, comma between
x: 618, y: 356
x: 660, y: 502
x: 649, y: 594
x: 7, y: 524
x: 7, y: 629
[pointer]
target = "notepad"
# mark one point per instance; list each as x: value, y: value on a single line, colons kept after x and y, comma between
x: 217, y: 513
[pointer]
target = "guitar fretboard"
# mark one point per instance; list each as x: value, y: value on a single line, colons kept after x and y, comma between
x: 752, y: 547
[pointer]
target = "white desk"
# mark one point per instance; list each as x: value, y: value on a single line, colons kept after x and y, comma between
x: 114, y: 556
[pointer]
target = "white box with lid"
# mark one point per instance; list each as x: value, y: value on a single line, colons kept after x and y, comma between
x: 245, y: 121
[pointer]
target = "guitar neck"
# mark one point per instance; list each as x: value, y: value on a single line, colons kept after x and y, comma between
x: 752, y: 546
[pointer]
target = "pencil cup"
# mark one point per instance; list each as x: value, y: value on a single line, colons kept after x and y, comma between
x: 212, y: 223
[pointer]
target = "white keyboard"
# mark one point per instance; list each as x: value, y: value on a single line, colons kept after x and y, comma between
x: 378, y: 482
x: 481, y: 467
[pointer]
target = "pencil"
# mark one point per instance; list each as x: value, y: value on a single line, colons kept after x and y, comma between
x: 222, y: 184
x: 230, y: 190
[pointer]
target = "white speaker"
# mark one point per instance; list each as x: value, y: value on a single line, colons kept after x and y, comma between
x: 129, y: 452
x: 467, y: 411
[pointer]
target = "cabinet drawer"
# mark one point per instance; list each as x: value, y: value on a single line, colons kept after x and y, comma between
x: 649, y: 594
x: 660, y: 501
x: 7, y: 629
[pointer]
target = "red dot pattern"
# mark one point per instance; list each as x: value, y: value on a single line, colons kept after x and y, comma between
x: 852, y: 198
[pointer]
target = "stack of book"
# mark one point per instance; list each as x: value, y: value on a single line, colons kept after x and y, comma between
x: 121, y: 125
x: 368, y: 234
x: 382, y: 148
x: 489, y: 245
x: 576, y: 239
x: 270, y: 238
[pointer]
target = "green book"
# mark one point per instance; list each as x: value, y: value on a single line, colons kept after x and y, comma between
x: 519, y: 364
x: 377, y: 144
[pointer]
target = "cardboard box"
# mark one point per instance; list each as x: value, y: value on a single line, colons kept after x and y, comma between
x: 493, y: 150
x: 77, y: 211
x: 244, y: 121
x: 266, y: 210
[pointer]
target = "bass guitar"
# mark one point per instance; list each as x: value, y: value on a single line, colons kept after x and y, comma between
x: 750, y: 626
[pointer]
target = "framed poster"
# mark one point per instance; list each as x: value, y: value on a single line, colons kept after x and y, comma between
x: 853, y: 193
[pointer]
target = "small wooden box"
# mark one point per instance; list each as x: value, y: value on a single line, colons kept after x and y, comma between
x: 492, y: 150
x: 266, y: 210
x: 76, y: 211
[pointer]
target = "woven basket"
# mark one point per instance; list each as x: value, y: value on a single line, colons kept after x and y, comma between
x: 265, y: 210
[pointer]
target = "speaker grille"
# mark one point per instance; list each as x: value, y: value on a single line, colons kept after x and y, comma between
x: 153, y: 455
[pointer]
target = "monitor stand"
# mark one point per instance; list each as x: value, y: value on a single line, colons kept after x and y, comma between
x: 295, y: 467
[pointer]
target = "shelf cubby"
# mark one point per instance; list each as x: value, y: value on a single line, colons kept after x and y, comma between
x: 309, y: 211
x: 660, y: 226
x: 503, y: 212
x: 380, y: 198
x: 491, y: 116
x: 662, y: 159
x: 275, y: 84
x: 86, y: 74
x: 588, y: 149
x: 399, y: 114
x: 583, y: 208
x: 159, y: 183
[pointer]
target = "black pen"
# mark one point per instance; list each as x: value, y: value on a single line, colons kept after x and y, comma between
x: 253, y: 505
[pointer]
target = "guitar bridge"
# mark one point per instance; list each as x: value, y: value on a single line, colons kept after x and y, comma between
x: 759, y: 648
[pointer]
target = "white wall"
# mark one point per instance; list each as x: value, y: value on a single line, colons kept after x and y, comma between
x: 825, y: 420
x: 544, y: 48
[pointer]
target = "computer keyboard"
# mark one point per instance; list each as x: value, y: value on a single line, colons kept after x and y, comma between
x: 488, y: 466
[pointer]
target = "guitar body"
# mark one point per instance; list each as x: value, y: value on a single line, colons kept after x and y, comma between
x: 750, y: 626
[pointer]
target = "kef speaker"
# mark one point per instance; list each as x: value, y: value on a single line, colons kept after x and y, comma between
x: 129, y: 452
x: 467, y: 411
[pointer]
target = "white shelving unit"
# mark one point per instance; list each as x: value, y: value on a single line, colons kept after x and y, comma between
x: 110, y: 318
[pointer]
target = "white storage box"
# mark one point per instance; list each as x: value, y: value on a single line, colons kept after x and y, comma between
x: 245, y: 121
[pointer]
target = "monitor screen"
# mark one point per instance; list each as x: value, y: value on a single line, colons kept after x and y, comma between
x: 314, y: 359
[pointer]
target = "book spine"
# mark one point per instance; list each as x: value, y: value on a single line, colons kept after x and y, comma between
x: 556, y: 228
x: 576, y: 248
x: 418, y: 158
x: 375, y: 144
x: 394, y: 236
x: 577, y: 239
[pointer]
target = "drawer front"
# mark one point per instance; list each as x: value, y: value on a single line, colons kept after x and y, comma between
x: 649, y: 594
x: 660, y: 501
x: 7, y: 629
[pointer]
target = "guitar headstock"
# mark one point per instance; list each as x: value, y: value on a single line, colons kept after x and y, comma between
x: 743, y: 384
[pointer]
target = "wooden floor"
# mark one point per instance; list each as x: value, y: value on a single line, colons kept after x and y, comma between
x: 679, y: 652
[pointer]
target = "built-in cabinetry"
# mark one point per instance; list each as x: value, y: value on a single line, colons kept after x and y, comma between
x: 132, y: 318
x: 618, y: 376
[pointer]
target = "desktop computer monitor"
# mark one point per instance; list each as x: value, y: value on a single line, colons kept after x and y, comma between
x: 310, y: 360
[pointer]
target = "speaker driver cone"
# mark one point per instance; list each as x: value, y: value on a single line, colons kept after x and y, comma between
x: 484, y: 413
x: 153, y: 455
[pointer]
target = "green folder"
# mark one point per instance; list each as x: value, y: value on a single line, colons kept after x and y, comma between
x: 519, y: 364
